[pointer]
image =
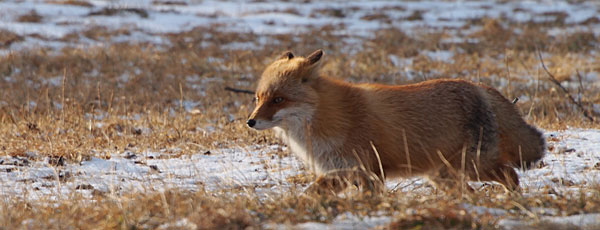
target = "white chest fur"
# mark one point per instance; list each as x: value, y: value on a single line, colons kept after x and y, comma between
x: 319, y: 154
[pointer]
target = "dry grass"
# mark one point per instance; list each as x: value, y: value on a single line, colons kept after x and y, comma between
x: 242, y: 208
x: 99, y: 101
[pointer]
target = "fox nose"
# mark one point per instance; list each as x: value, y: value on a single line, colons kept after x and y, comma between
x: 251, y: 123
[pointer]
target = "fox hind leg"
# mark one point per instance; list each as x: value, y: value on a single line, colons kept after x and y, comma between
x: 503, y: 174
x: 450, y: 180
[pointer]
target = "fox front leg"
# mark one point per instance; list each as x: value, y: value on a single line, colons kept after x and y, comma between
x: 337, y: 181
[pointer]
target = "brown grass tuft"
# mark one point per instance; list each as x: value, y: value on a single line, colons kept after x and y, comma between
x: 71, y: 2
x: 493, y: 32
x: 170, y: 3
x: 7, y: 38
x: 448, y: 217
x: 31, y: 17
x: 108, y: 11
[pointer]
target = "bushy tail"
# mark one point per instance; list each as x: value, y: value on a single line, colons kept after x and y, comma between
x: 521, y: 145
x: 531, y: 144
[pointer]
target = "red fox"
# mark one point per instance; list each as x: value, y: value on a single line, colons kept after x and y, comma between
x: 437, y: 128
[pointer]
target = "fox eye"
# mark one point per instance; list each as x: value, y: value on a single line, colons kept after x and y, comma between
x: 277, y: 100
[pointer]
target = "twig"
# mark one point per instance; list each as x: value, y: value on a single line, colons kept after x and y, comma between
x: 581, y: 90
x: 557, y: 83
x: 378, y: 161
x: 537, y: 88
x: 582, y: 93
x: 238, y: 90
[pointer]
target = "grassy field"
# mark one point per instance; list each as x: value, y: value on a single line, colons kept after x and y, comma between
x: 76, y: 103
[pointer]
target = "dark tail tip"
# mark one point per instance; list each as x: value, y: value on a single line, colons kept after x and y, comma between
x: 537, y: 152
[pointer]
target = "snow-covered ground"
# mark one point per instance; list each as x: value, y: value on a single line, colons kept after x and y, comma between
x: 572, y: 164
x: 36, y: 177
x: 148, y: 21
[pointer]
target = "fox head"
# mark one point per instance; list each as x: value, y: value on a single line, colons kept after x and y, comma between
x: 286, y: 92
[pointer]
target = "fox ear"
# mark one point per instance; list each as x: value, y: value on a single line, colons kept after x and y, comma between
x: 314, y: 57
x: 287, y: 55
x: 312, y: 65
